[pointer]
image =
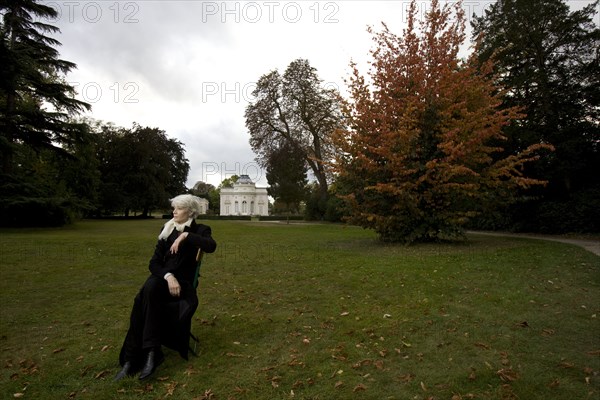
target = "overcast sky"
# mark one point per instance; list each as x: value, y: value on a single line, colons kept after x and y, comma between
x: 188, y: 67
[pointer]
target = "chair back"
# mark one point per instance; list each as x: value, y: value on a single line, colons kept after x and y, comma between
x: 199, y: 256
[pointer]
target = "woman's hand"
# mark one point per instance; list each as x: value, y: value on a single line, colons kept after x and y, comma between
x: 174, y: 287
x: 177, y: 242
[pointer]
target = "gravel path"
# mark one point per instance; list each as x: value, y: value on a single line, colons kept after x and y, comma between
x: 588, y: 244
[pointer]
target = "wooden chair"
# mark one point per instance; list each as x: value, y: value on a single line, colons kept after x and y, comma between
x: 178, y: 332
x: 199, y: 257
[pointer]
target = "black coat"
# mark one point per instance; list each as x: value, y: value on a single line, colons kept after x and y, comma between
x: 183, y: 264
x: 171, y: 320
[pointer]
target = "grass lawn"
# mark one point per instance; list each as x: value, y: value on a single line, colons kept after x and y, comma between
x: 305, y: 311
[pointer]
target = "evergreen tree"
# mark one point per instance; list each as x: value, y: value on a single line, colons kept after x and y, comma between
x: 36, y: 118
x: 36, y: 105
x: 286, y: 175
x: 547, y: 59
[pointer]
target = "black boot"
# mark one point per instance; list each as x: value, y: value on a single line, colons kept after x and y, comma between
x: 127, y: 370
x: 153, y: 360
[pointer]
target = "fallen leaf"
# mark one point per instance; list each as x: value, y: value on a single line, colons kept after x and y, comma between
x: 171, y: 388
x: 362, y: 363
x: 189, y: 371
x: 60, y: 350
x: 555, y: 383
x: 86, y: 369
x: 18, y: 395
x: 472, y: 375
x: 101, y: 374
x: 358, y: 388
x: 298, y: 384
x: 339, y: 384
x: 423, y: 387
x: 406, y: 378
x: 507, y: 375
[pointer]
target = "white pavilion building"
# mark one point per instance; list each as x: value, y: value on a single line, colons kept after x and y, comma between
x: 244, y: 198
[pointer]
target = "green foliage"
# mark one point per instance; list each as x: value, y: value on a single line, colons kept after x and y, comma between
x: 318, y: 310
x: 210, y: 193
x: 48, y: 188
x: 228, y: 182
x: 141, y: 168
x: 36, y: 105
x: 547, y: 59
x: 286, y: 176
x: 45, y: 180
x: 579, y: 212
x: 316, y: 203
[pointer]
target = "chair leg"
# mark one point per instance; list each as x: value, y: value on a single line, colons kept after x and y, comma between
x: 196, y: 341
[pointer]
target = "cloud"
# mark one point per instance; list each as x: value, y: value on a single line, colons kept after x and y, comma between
x: 189, y: 67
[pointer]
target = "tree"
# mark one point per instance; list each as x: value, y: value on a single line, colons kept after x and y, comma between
x: 208, y: 192
x: 36, y: 105
x: 421, y: 155
x: 547, y: 59
x: 141, y: 168
x: 201, y: 189
x: 286, y: 176
x: 295, y: 109
x: 228, y: 182
x: 41, y: 144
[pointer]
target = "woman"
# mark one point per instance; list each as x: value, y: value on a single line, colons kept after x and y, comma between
x: 163, y: 308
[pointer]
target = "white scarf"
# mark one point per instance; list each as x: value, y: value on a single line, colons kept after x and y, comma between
x: 169, y: 225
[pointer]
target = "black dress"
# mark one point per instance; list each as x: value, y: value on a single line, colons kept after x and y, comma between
x: 157, y: 318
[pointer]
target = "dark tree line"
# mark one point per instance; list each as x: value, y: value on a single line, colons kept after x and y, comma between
x: 54, y: 166
x: 140, y: 168
x: 543, y: 58
x: 547, y: 58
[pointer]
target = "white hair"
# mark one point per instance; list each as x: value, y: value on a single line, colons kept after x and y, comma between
x: 188, y: 202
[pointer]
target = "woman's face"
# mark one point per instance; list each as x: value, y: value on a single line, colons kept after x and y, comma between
x: 180, y: 215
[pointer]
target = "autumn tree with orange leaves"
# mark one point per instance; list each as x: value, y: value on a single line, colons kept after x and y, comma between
x: 421, y: 155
